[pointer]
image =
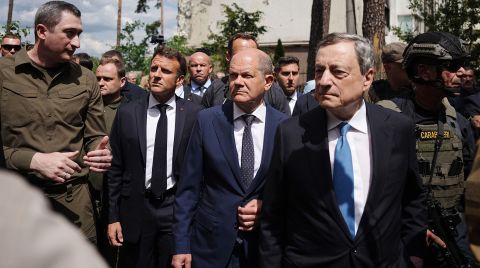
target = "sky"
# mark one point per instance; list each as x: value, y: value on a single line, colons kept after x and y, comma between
x: 99, y: 18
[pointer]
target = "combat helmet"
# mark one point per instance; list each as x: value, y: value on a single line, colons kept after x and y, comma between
x: 444, y: 50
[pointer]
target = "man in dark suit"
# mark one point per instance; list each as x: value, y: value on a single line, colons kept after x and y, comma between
x: 305, y: 103
x: 129, y: 90
x: 200, y: 68
x: 217, y: 95
x: 287, y: 75
x: 220, y: 192
x: 149, y: 138
x: 343, y: 188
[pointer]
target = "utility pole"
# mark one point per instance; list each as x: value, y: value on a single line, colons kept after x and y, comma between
x: 161, y: 18
x: 9, y: 17
x: 119, y: 21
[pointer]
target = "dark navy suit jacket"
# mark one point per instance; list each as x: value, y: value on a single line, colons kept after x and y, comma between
x: 126, y: 177
x: 209, y: 191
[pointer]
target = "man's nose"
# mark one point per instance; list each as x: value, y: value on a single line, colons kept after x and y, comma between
x: 76, y: 41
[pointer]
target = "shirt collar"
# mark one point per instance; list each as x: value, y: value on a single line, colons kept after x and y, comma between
x: 358, y: 120
x: 179, y: 91
x: 294, y: 96
x: 21, y: 57
x: 195, y: 85
x: 152, y: 102
x: 260, y: 113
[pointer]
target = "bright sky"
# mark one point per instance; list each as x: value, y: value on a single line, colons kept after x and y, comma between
x: 99, y: 18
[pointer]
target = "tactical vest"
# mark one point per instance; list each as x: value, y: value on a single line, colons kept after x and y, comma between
x: 448, y: 182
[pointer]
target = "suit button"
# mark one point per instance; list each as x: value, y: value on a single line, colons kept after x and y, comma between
x: 235, y: 226
x: 354, y: 251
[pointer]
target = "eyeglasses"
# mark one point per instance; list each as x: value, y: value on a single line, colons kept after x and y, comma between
x: 10, y: 47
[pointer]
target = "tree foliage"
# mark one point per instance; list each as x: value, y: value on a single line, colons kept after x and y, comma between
x: 237, y: 20
x: 180, y: 44
x: 279, y: 51
x: 142, y: 6
x: 134, y: 53
x: 14, y: 28
x: 458, y: 17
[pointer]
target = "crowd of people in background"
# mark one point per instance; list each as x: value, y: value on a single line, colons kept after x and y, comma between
x: 192, y: 166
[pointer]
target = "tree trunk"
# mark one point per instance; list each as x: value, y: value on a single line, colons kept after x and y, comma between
x: 320, y: 19
x: 162, y: 20
x: 119, y: 22
x: 373, y: 27
x: 9, y: 17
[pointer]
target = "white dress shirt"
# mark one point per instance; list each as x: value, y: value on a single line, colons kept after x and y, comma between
x: 258, y: 132
x: 198, y: 90
x: 179, y: 92
x: 359, y: 140
x: 153, y: 115
x: 292, y: 101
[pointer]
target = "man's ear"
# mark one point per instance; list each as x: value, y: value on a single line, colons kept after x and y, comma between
x: 368, y: 79
x: 268, y: 81
x: 123, y: 80
x: 180, y: 80
x: 41, y: 31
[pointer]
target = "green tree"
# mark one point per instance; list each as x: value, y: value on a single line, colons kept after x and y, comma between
x: 458, y: 17
x: 180, y: 44
x: 135, y: 53
x: 142, y: 6
x: 279, y: 51
x: 237, y: 20
x: 14, y: 28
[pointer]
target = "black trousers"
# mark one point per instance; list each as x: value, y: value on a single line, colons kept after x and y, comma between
x: 154, y: 249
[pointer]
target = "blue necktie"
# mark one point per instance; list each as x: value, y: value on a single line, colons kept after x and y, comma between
x: 343, y: 178
x: 248, y: 153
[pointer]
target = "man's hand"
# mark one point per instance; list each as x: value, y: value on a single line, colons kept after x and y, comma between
x: 182, y: 260
x: 249, y: 214
x: 115, y: 236
x: 431, y: 237
x: 56, y: 166
x: 100, y: 158
x: 475, y: 120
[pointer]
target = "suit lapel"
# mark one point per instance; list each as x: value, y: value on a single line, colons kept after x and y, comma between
x: 223, y: 127
x: 141, y: 122
x: 381, y: 142
x: 180, y: 115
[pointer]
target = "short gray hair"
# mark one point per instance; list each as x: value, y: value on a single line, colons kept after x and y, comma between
x: 363, y: 48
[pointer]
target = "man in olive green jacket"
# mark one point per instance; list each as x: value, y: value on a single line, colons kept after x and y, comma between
x: 51, y: 110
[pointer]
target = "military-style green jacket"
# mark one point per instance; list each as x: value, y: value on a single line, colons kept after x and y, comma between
x: 40, y: 113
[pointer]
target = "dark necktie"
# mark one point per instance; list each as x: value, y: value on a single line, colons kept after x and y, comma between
x: 248, y: 156
x: 159, y: 165
x: 343, y: 178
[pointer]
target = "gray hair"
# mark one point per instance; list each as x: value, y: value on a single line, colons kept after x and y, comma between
x: 50, y: 13
x: 363, y: 48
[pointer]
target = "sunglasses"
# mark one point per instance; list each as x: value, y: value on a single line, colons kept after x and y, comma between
x: 10, y: 47
x: 453, y: 66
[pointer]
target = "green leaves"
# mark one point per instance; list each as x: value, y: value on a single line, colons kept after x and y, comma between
x: 237, y: 20
x: 458, y: 17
